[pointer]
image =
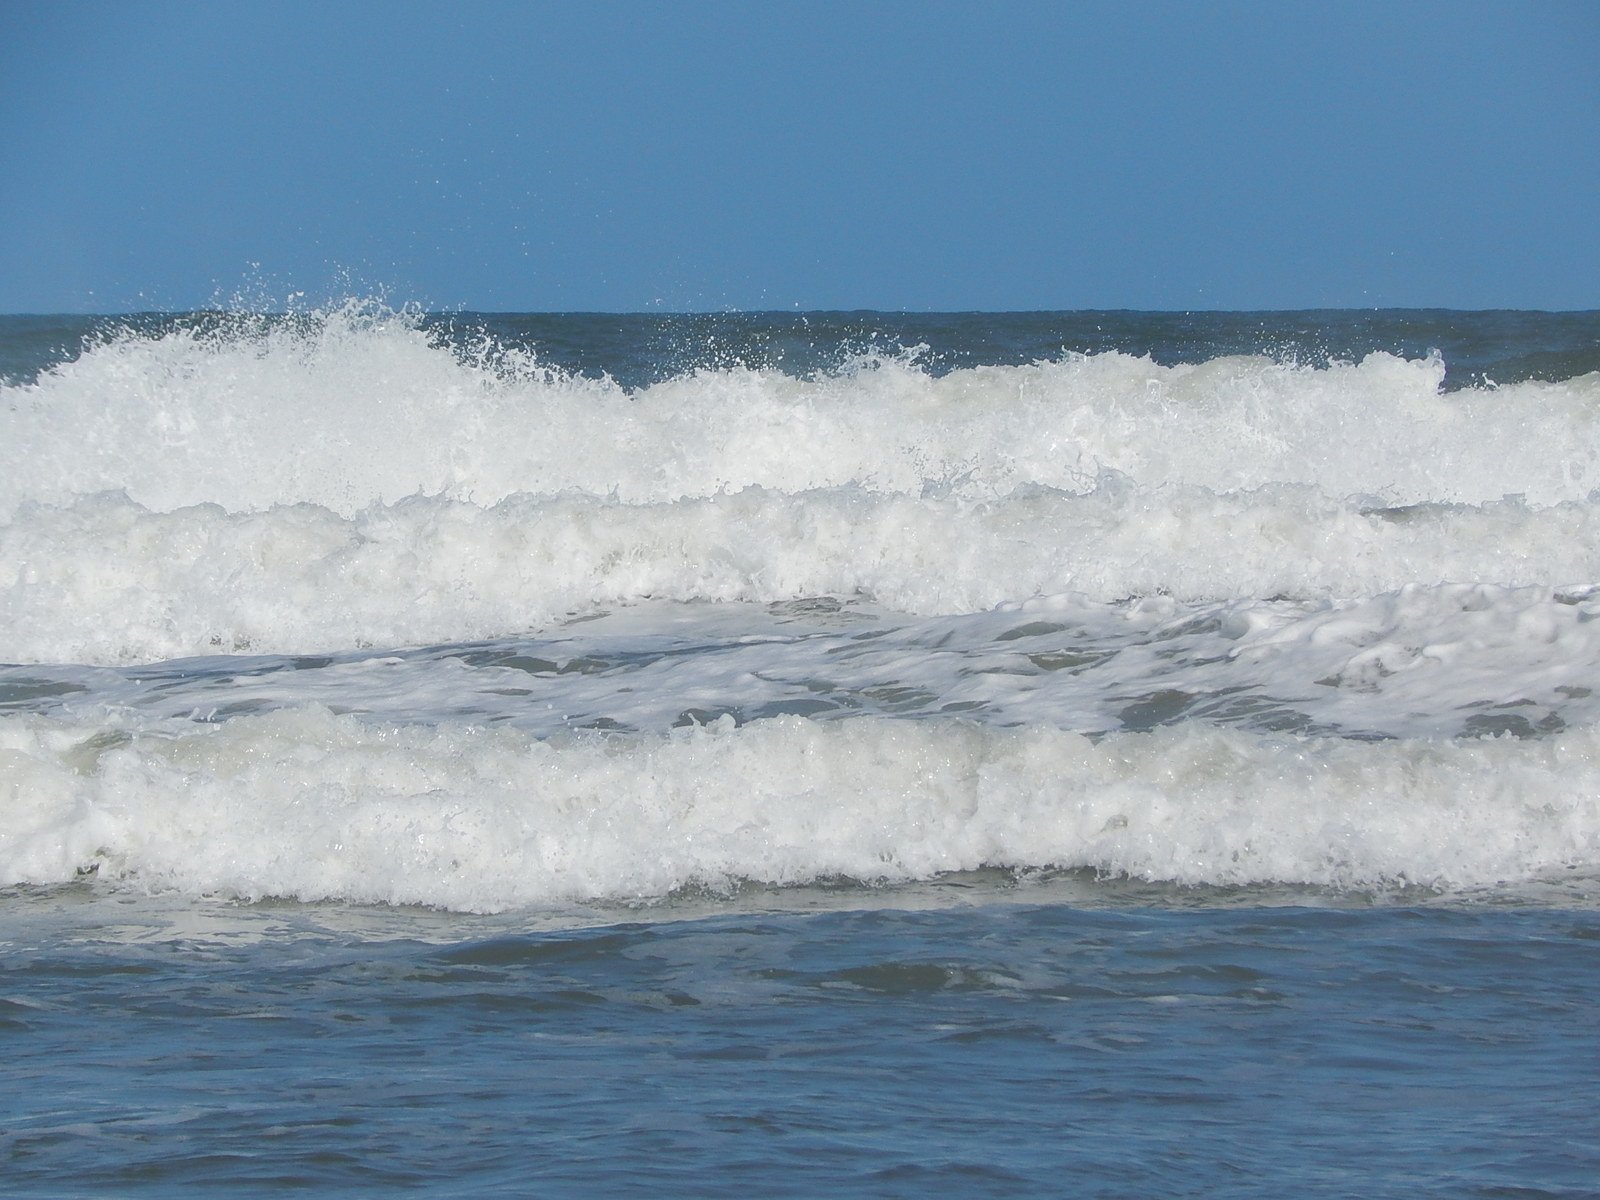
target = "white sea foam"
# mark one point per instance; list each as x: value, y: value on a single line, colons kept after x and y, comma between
x: 346, y: 481
x: 1441, y: 661
x: 358, y: 407
x: 306, y: 804
x: 105, y: 580
x: 1095, y: 544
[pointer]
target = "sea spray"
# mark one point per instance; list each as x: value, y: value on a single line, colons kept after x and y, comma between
x: 360, y: 405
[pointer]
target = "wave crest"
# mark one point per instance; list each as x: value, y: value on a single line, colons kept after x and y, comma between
x: 360, y: 405
x: 306, y: 804
x: 106, y: 580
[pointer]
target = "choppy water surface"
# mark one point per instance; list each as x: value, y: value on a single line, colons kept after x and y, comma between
x: 1121, y: 754
x: 998, y: 1049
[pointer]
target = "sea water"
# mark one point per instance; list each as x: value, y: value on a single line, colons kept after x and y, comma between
x: 1096, y: 754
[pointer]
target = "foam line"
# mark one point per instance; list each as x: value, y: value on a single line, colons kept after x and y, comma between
x: 307, y: 804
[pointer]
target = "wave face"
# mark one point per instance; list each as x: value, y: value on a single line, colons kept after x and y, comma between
x: 1293, y: 589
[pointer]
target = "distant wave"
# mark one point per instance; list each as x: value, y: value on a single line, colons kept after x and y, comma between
x: 357, y: 406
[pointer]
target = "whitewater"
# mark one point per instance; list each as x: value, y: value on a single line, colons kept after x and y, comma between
x: 357, y: 605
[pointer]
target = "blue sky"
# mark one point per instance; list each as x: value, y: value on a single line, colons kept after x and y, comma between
x: 810, y: 154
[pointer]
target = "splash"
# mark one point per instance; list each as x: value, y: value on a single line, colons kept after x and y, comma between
x: 360, y: 405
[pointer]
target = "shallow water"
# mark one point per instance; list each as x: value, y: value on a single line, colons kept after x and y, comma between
x: 1010, y: 1048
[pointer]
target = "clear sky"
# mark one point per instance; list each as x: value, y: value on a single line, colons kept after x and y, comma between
x: 887, y: 154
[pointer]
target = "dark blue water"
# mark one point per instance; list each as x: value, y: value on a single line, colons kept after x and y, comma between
x: 640, y: 348
x: 1004, y: 1049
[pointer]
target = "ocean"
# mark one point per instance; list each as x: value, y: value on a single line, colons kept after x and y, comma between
x: 795, y: 754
